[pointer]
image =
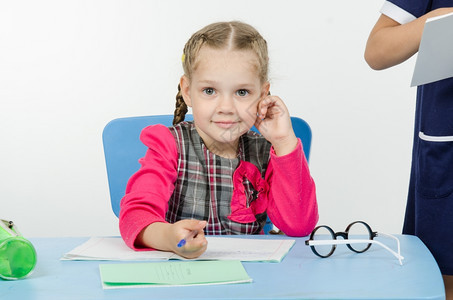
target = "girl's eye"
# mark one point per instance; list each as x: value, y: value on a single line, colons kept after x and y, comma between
x: 209, y: 91
x: 242, y: 93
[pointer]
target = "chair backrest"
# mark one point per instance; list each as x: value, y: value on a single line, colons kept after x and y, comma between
x: 123, y: 148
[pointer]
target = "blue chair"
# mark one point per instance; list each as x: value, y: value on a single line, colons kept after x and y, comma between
x: 123, y: 148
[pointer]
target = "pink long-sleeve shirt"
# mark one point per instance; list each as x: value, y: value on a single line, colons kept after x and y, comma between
x: 287, y: 189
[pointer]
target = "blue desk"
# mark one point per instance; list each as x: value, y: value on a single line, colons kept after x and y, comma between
x: 375, y: 274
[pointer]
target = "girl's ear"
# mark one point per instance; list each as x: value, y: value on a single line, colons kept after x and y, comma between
x: 185, y: 90
x: 265, y: 89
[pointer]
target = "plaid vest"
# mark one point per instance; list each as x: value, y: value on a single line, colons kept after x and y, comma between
x: 205, y: 186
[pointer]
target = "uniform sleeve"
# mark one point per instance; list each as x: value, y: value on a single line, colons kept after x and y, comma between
x: 292, y: 203
x: 405, y: 11
x: 150, y: 188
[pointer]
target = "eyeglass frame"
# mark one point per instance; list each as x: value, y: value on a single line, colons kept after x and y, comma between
x: 346, y: 241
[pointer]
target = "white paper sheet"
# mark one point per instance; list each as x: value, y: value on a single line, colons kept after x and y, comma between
x: 219, y: 248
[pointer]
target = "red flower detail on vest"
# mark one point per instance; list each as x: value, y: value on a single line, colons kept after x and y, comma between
x: 240, y: 211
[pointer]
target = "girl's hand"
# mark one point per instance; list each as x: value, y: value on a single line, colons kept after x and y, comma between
x: 192, y: 231
x: 274, y: 123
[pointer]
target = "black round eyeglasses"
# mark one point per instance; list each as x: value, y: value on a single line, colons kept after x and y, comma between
x: 323, y: 240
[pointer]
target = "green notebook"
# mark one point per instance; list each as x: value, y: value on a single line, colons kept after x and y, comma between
x: 172, y: 273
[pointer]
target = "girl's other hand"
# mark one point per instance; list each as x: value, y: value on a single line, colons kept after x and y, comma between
x: 192, y: 231
x: 274, y: 123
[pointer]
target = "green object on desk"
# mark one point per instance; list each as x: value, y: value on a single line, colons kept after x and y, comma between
x: 172, y: 273
x: 17, y: 255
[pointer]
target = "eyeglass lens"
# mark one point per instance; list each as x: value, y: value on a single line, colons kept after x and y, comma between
x: 359, y: 230
x: 323, y: 233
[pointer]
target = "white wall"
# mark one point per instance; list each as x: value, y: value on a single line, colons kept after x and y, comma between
x: 68, y: 67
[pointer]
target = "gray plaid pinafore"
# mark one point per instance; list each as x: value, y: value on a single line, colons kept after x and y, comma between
x: 204, y: 186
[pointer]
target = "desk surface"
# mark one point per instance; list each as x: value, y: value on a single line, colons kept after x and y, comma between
x: 375, y: 274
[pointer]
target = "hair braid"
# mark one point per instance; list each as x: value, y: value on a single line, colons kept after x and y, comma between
x: 180, y: 108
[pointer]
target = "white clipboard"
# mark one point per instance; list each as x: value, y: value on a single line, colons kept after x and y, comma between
x: 435, y: 54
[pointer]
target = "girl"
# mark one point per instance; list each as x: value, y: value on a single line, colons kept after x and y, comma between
x: 213, y: 175
x: 429, y: 212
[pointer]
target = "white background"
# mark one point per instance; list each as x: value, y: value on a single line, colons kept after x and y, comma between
x: 69, y: 67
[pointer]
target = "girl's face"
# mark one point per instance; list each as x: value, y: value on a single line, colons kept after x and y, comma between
x: 224, y: 91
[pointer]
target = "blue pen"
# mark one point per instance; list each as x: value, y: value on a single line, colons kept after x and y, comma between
x: 189, y: 235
